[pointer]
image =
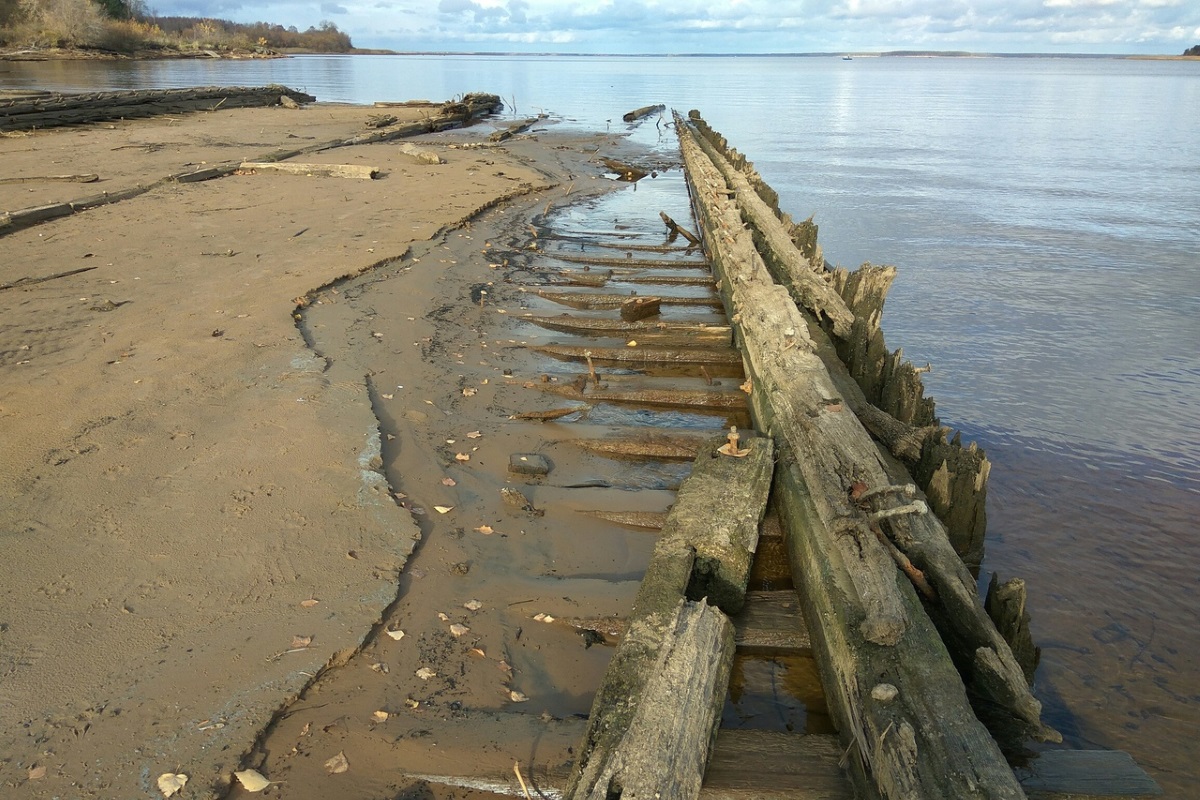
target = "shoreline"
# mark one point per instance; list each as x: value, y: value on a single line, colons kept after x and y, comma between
x: 197, y: 500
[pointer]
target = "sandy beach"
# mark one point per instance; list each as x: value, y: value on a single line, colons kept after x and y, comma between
x: 199, y: 510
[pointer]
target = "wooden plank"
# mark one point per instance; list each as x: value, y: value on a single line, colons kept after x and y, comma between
x: 771, y: 624
x: 659, y: 332
x: 1079, y: 774
x: 704, y: 552
x: 651, y: 444
x: 670, y: 398
x: 654, y: 263
x: 765, y: 765
x: 598, y: 300
x: 636, y: 308
x: 915, y: 733
x: 358, y: 171
x: 639, y: 354
x: 649, y: 520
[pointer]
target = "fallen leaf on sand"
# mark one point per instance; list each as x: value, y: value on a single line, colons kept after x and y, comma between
x: 544, y: 618
x: 425, y: 673
x: 517, y: 697
x: 486, y: 530
x: 171, y: 782
x: 397, y: 635
x: 474, y: 435
x: 387, y: 396
x: 472, y: 605
x: 412, y: 703
x: 381, y: 716
x: 461, y: 457
x: 470, y: 392
x: 443, y: 616
x: 449, y: 482
x: 379, y: 666
x: 301, y: 641
x: 631, y: 343
x: 337, y: 764
x: 477, y: 651
x: 443, y: 509
x: 251, y: 780
x: 38, y: 772
x: 458, y: 630
x: 309, y: 603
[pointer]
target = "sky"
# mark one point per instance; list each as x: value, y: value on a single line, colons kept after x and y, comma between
x: 732, y: 26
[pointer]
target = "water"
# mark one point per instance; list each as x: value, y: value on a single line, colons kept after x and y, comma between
x: 1045, y: 218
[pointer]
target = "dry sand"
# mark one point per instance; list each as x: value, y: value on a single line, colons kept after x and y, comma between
x: 194, y: 517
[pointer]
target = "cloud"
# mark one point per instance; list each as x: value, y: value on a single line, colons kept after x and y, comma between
x: 333, y: 8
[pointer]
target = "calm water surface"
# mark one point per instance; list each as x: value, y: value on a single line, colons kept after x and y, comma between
x: 1045, y: 218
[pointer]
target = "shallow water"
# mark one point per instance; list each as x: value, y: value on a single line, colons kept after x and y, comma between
x: 1043, y: 215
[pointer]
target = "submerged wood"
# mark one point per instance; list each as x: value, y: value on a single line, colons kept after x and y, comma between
x: 552, y: 414
x: 595, y: 279
x: 918, y: 736
x: 636, y: 308
x: 625, y: 172
x: 651, y: 520
x: 651, y: 444
x: 642, y: 331
x: 504, y: 134
x: 645, y: 355
x: 654, y: 718
x: 586, y: 300
x: 644, y: 111
x: 787, y: 264
x: 313, y: 170
x: 1005, y: 604
x: 601, y: 261
x: 676, y: 229
x: 671, y: 398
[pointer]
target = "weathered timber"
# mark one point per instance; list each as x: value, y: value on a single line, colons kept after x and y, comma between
x: 672, y: 398
x: 645, y: 248
x: 676, y: 229
x: 645, y: 355
x: 654, y: 717
x: 668, y: 280
x: 1079, y: 774
x: 203, y: 174
x: 916, y: 736
x: 650, y: 520
x: 658, y: 332
x: 1005, y: 604
x: 595, y: 279
x: 651, y: 444
x: 655, y: 263
x: 585, y: 300
x: 313, y: 170
x: 644, y: 111
x: 506, y: 133
x: 68, y: 109
x: 765, y: 765
x: 771, y: 624
x: 625, y: 172
x: 552, y: 414
x: 24, y: 217
x: 955, y: 482
x: 636, y: 308
x: 423, y: 155
x: 787, y: 264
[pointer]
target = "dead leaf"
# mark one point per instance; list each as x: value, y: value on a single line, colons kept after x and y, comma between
x: 338, y: 764
x: 543, y: 618
x: 449, y: 482
x: 443, y: 509
x: 474, y: 435
x: 397, y: 635
x: 381, y: 716
x: 379, y: 666
x: 387, y: 396
x: 458, y: 630
x: 517, y: 697
x: 425, y: 673
x: 443, y: 616
x: 631, y: 343
x: 251, y: 780
x: 477, y: 651
x: 171, y: 782
x: 470, y: 392
x: 461, y: 457
x: 309, y: 603
x: 39, y: 772
x: 472, y: 605
x: 300, y: 642
x: 412, y: 703
x: 486, y: 530
x: 307, y: 727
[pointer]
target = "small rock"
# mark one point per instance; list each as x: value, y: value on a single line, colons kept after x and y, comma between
x: 529, y: 464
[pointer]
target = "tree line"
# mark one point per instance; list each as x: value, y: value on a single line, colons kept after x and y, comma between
x: 129, y: 25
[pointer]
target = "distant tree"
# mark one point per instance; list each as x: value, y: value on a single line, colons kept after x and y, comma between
x: 10, y: 12
x: 1192, y: 51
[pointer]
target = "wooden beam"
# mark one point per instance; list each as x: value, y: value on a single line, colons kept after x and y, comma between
x: 644, y: 355
x: 313, y: 170
x: 659, y: 332
x: 587, y: 300
x: 1079, y: 774
x: 644, y: 111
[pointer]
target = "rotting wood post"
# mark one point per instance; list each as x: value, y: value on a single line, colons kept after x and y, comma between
x: 636, y: 308
x: 900, y: 703
x: 647, y: 728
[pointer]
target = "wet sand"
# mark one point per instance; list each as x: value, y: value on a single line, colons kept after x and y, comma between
x: 200, y: 511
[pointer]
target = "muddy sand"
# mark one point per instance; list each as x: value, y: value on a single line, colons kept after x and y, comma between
x: 221, y: 449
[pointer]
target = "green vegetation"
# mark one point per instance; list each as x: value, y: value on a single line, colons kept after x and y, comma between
x: 1192, y: 51
x: 127, y: 26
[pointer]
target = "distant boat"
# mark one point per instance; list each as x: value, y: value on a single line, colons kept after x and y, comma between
x: 847, y: 58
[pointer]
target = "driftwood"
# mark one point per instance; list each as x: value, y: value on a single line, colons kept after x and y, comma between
x: 652, y: 520
x: 423, y: 155
x: 313, y: 170
x: 670, y: 398
x: 625, y: 172
x: 585, y: 300
x: 31, y: 281
x: 651, y: 444
x: 658, y: 332
x: 787, y: 264
x: 636, y: 308
x: 915, y: 734
x: 552, y: 414
x: 676, y: 229
x: 654, y: 718
x: 504, y: 134
x: 651, y: 263
x: 644, y: 111
x: 89, y: 178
